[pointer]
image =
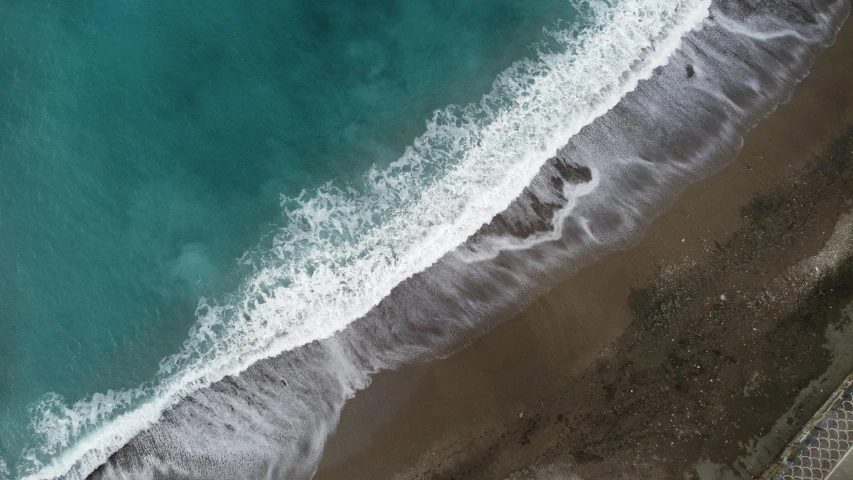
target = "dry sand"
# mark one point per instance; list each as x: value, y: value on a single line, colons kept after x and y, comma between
x: 696, y: 354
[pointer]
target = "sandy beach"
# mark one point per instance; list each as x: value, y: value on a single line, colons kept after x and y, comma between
x: 698, y: 353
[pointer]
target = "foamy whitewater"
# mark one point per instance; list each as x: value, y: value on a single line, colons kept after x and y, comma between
x: 568, y: 157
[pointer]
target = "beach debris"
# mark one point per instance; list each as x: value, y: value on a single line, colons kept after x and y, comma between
x: 723, y: 297
x: 521, y: 415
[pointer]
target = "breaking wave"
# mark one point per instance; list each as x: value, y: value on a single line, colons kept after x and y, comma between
x: 344, y: 248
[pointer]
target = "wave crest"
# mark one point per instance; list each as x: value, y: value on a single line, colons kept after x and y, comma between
x: 345, y: 247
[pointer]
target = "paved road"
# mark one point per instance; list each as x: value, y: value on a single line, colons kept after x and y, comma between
x: 844, y: 470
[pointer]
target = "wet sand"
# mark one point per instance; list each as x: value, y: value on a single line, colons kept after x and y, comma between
x: 697, y: 353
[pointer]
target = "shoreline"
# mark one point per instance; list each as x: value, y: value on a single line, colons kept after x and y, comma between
x: 547, y: 387
x: 168, y: 403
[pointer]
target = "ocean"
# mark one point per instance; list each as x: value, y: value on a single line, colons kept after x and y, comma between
x: 217, y: 221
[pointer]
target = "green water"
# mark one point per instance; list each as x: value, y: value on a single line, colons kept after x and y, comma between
x: 144, y: 147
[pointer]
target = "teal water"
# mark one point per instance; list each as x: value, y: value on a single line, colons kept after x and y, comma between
x: 144, y: 147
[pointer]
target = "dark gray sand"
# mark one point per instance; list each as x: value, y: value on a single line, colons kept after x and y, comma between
x: 698, y: 353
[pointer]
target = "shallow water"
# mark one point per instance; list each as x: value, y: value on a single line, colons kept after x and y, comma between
x: 135, y: 184
x: 145, y: 147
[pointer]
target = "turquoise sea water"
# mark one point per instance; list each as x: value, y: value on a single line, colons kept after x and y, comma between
x: 144, y: 147
x: 172, y: 306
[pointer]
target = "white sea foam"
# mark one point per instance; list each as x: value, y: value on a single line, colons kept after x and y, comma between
x: 343, y: 250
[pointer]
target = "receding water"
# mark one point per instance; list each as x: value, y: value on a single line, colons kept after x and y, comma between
x: 144, y: 147
x: 205, y: 208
